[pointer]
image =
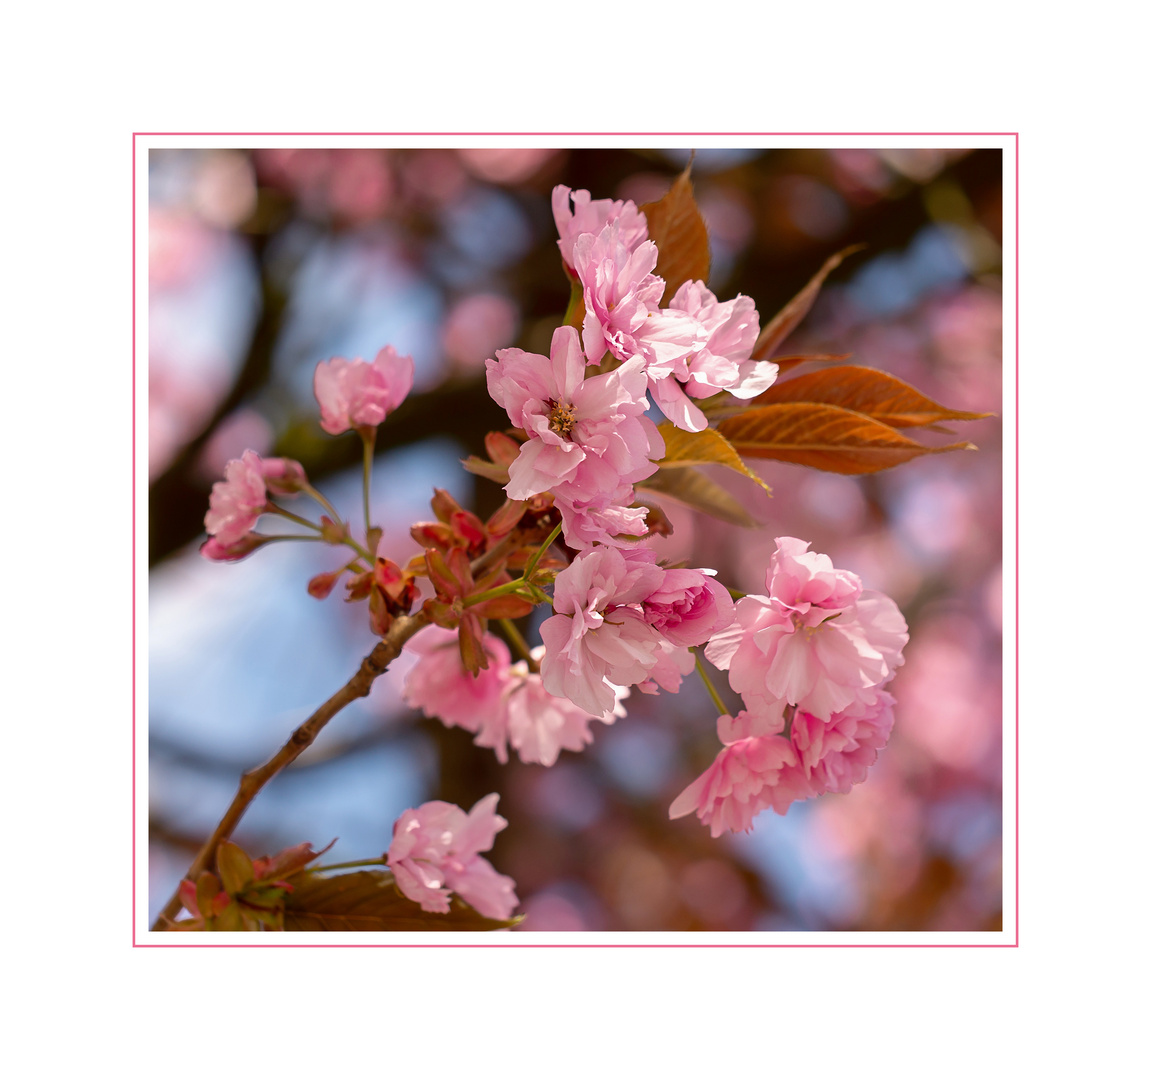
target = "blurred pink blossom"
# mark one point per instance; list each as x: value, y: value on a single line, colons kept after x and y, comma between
x: 440, y: 686
x: 354, y: 393
x: 237, y: 501
x: 510, y: 166
x: 540, y: 725
x: 476, y: 326
x: 756, y: 770
x: 435, y: 851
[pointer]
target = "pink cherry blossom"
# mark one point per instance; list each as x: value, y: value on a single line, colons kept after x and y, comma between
x: 724, y: 362
x: 836, y: 753
x: 822, y: 643
x: 283, y: 476
x: 689, y: 606
x: 237, y: 501
x: 217, y: 552
x: 540, y: 725
x: 756, y: 770
x: 608, y: 518
x: 673, y: 662
x: 440, y: 686
x: 621, y: 301
x: 598, y: 633
x: 435, y: 852
x: 586, y: 436
x: 356, y: 394
x: 727, y: 333
x: 590, y: 216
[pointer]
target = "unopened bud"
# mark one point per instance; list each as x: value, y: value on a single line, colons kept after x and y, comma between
x: 217, y: 552
x: 322, y: 584
x: 331, y: 532
x: 283, y: 476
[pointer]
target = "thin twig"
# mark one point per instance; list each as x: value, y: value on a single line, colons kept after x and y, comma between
x: 251, y: 783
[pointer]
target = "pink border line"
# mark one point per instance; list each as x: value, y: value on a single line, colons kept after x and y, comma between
x: 138, y: 944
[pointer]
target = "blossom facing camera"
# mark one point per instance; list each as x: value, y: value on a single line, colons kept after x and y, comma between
x: 435, y: 852
x: 356, y: 394
x: 586, y: 437
x: 236, y: 502
x: 818, y: 641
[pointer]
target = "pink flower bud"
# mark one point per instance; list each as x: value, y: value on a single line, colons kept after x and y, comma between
x: 322, y: 584
x: 217, y: 552
x: 283, y: 476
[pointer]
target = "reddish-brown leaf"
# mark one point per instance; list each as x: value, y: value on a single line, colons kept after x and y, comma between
x: 696, y: 489
x: 881, y: 396
x: 786, y: 363
x: 676, y: 225
x: 773, y: 334
x: 824, y: 437
x: 683, y: 449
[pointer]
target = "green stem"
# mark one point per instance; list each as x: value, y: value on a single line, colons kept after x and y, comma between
x: 309, y: 490
x: 291, y: 536
x: 369, y: 437
x: 513, y: 635
x: 274, y: 508
x: 507, y: 587
x: 535, y: 559
x: 710, y: 686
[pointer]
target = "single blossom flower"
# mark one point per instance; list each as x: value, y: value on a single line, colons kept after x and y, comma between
x: 819, y: 641
x: 440, y: 686
x: 540, y: 725
x: 237, y: 501
x: 673, y: 662
x: 609, y: 518
x: 576, y: 213
x: 356, y: 394
x: 836, y: 753
x: 621, y: 301
x: 722, y: 361
x: 435, y: 852
x: 689, y: 606
x: 586, y: 437
x: 756, y: 770
x: 598, y: 634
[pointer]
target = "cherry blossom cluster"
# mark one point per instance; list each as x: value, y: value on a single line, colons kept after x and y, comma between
x: 810, y: 658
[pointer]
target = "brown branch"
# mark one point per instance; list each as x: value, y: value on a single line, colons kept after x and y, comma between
x: 252, y: 782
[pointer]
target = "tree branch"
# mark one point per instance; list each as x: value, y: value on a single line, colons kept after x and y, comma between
x: 252, y: 782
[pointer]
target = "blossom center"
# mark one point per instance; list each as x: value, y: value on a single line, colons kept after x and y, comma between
x: 562, y: 418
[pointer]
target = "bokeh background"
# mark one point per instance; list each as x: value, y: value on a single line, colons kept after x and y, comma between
x: 263, y: 263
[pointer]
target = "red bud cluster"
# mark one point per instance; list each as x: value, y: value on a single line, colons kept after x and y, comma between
x: 247, y: 894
